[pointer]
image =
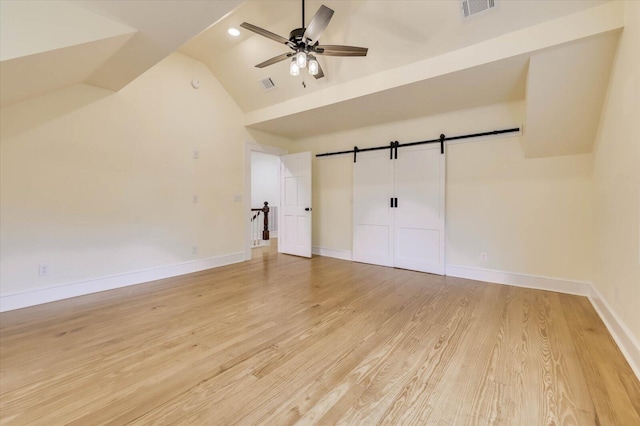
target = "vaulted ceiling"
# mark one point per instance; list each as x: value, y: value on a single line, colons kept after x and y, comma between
x: 396, y: 32
x: 424, y: 58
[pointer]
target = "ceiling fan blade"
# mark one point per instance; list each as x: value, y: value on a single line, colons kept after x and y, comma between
x: 334, y: 50
x: 318, y: 24
x: 320, y: 72
x: 264, y: 33
x: 275, y: 60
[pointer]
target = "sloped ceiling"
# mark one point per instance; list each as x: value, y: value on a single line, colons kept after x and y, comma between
x: 423, y: 59
x: 396, y: 32
x: 500, y: 81
x: 163, y: 26
x: 29, y: 28
x: 578, y: 73
x: 50, y: 44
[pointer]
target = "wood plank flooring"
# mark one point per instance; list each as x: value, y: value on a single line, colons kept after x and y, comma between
x: 285, y: 340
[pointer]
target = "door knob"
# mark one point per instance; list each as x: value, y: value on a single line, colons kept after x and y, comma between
x: 307, y: 209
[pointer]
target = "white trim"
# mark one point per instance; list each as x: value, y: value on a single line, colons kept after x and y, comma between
x: 246, y: 205
x: 338, y: 254
x: 38, y: 296
x: 627, y: 342
x: 520, y: 280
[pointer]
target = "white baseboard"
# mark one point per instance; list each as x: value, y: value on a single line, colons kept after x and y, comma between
x: 627, y: 342
x: 50, y: 294
x: 338, y: 254
x: 520, y: 280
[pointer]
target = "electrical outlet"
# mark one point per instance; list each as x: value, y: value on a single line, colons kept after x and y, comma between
x: 237, y: 198
x: 195, y: 199
x: 194, y: 250
x: 43, y: 270
x: 483, y: 256
x: 196, y: 154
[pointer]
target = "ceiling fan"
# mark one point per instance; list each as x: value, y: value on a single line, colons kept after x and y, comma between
x: 304, y: 44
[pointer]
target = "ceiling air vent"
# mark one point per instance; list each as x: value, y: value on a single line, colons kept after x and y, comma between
x: 267, y: 84
x: 473, y: 7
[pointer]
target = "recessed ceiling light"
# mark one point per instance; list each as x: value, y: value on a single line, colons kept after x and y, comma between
x: 234, y: 32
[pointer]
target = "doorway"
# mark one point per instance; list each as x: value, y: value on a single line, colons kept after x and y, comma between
x: 262, y: 174
x: 265, y: 197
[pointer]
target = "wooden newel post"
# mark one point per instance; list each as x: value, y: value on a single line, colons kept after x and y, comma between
x: 265, y: 231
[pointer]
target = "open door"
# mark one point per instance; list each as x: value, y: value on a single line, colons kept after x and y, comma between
x: 294, y: 233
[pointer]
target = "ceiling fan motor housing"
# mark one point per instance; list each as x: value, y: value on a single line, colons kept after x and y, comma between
x: 296, y: 35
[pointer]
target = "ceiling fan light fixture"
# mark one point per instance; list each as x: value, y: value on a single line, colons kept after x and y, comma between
x: 294, y: 69
x: 313, y: 66
x: 301, y: 59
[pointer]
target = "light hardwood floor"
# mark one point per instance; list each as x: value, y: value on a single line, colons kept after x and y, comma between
x: 281, y: 340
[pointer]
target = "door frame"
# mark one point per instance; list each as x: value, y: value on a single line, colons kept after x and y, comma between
x: 246, y: 204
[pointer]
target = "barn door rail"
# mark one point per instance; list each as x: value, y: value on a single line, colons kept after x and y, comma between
x: 394, y: 145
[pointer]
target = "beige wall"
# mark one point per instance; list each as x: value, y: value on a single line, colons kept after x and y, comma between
x: 531, y: 216
x: 95, y: 183
x: 617, y: 181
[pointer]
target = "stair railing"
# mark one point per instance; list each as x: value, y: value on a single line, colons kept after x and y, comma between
x: 256, y: 241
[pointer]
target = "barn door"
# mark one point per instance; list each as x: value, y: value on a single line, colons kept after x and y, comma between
x: 372, y: 208
x: 398, y: 208
x: 419, y: 215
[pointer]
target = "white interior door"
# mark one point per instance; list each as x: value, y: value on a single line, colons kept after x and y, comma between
x: 372, y: 212
x: 294, y: 233
x: 419, y: 214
